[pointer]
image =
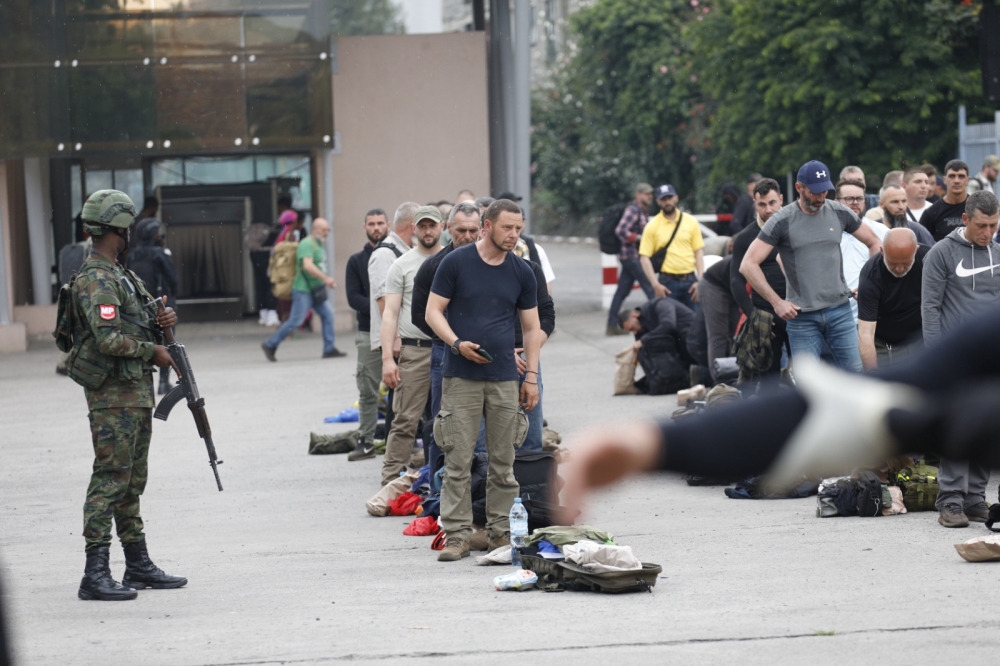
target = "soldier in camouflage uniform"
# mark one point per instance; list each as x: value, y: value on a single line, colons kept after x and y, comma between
x: 115, y: 344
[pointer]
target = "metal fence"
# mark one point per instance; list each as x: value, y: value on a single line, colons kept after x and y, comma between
x: 975, y: 142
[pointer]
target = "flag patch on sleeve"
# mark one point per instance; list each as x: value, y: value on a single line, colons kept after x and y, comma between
x: 108, y: 312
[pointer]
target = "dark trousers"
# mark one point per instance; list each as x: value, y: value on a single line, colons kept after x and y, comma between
x: 679, y: 289
x: 630, y: 274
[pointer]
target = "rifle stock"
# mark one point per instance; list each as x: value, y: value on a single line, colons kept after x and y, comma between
x: 187, y: 388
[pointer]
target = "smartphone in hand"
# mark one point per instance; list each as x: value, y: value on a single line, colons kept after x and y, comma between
x: 485, y: 354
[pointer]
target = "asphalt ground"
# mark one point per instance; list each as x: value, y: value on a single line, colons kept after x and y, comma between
x: 286, y: 567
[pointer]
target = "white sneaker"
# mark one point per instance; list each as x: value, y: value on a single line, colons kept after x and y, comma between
x: 272, y: 319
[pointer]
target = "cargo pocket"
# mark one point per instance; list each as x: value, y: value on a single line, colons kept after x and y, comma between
x: 520, y: 428
x: 87, y: 366
x: 443, y: 430
x: 131, y: 369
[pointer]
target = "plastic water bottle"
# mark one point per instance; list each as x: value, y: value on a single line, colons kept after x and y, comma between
x: 518, y: 531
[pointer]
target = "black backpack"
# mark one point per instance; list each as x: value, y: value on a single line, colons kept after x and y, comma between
x: 606, y: 237
x: 869, y: 500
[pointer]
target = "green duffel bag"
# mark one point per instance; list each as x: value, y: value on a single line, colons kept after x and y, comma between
x: 919, y: 484
x: 558, y: 576
x: 342, y: 442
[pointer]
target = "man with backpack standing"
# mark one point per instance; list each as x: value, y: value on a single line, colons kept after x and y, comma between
x: 309, y: 292
x: 627, y: 232
x: 676, y: 236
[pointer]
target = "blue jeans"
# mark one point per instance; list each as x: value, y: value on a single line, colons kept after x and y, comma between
x: 533, y: 441
x: 302, y: 301
x: 435, y: 457
x: 630, y: 274
x: 679, y: 290
x: 834, y: 325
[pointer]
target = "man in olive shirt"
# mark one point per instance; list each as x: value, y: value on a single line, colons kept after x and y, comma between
x: 309, y: 291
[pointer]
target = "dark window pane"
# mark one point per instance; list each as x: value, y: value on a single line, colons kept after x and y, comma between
x: 197, y: 36
x: 112, y: 104
x: 287, y: 101
x: 201, y: 106
x: 97, y: 37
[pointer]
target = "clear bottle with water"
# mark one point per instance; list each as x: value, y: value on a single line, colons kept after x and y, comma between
x: 518, y: 531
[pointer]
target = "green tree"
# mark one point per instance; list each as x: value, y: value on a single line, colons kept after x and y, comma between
x: 364, y: 17
x: 875, y: 83
x: 618, y: 111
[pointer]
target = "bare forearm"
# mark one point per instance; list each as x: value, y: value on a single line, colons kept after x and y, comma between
x: 647, y: 268
x: 439, y: 324
x: 866, y: 345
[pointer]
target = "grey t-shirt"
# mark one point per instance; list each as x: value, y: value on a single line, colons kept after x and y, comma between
x: 809, y: 246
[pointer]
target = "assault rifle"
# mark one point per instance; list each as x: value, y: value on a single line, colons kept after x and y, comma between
x: 187, y: 388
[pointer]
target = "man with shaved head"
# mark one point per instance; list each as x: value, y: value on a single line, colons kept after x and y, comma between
x: 889, y: 320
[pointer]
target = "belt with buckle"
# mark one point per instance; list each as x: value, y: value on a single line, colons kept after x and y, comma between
x: 416, y: 342
x: 679, y: 276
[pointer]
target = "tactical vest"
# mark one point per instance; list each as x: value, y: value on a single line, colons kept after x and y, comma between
x: 87, y: 365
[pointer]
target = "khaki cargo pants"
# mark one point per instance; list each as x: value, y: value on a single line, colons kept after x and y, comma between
x: 464, y: 404
x: 408, y: 402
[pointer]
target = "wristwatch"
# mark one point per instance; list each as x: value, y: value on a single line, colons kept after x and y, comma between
x: 454, y: 346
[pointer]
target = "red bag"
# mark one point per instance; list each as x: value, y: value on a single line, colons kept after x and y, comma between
x: 425, y: 526
x: 405, y: 505
x: 439, y: 540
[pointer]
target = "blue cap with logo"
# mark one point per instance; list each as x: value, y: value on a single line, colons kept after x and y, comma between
x: 665, y: 191
x: 815, y: 176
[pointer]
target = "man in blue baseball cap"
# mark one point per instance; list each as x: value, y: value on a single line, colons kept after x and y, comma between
x: 807, y: 234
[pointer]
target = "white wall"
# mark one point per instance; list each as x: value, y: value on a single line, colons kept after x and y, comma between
x: 420, y: 16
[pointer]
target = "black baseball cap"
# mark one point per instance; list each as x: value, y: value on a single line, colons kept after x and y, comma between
x: 665, y: 191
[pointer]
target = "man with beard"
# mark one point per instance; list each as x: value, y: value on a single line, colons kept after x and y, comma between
x: 889, y: 322
x: 464, y: 224
x: 484, y: 288
x: 893, y: 206
x: 853, y: 252
x: 678, y: 236
x: 807, y: 235
x: 410, y: 379
x: 767, y: 201
x: 369, y: 367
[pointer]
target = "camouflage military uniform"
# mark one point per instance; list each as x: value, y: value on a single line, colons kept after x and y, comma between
x: 111, y: 359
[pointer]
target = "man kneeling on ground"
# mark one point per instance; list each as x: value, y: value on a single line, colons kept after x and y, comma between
x: 660, y: 328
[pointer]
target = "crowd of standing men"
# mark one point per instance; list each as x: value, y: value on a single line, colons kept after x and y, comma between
x: 857, y: 280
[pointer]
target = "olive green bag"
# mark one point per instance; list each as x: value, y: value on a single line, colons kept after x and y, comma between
x: 919, y: 484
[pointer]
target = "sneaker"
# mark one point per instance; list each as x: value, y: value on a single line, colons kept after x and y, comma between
x: 498, y: 541
x: 362, y: 451
x: 614, y: 329
x: 952, y: 516
x: 268, y: 352
x: 333, y: 353
x: 979, y: 512
x: 455, y: 548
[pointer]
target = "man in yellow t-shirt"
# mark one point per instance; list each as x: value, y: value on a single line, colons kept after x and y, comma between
x: 684, y: 262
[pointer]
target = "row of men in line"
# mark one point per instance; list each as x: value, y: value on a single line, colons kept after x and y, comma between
x: 861, y: 288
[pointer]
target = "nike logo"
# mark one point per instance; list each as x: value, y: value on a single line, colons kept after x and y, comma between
x: 962, y: 271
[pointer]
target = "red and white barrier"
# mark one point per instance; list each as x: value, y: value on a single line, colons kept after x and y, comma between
x: 610, y: 268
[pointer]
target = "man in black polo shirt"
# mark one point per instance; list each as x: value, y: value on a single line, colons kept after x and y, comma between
x: 889, y: 321
x: 484, y: 288
x: 369, y: 368
x: 946, y: 215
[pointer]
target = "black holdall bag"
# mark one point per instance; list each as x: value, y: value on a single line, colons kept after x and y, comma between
x: 535, y: 472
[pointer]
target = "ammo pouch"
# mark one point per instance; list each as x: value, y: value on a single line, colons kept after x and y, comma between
x: 87, y: 366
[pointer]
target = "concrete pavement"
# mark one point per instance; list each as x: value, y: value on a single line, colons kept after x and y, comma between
x: 285, y: 566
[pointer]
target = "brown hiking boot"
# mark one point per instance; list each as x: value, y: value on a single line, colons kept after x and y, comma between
x: 455, y: 548
x: 498, y: 540
x: 479, y: 540
x: 978, y: 512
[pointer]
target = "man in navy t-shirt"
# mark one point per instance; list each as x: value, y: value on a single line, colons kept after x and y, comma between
x: 478, y: 292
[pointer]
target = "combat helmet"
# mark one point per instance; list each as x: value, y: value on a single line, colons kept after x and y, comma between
x: 107, y: 210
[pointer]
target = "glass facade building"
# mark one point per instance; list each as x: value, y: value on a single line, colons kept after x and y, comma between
x: 164, y: 77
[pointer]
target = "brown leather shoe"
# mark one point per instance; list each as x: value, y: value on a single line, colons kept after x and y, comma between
x: 455, y: 548
x: 498, y: 541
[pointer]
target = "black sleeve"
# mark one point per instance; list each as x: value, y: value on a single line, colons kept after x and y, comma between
x: 356, y: 296
x: 546, y: 306
x: 666, y: 321
x: 738, y: 283
x: 929, y: 220
x: 421, y: 292
x: 869, y: 290
x: 169, y: 272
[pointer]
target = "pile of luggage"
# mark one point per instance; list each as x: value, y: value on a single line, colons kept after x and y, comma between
x: 901, y: 486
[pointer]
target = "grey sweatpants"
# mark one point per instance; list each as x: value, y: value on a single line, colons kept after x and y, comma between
x: 961, y: 482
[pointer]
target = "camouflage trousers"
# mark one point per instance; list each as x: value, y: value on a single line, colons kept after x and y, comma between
x: 121, y: 463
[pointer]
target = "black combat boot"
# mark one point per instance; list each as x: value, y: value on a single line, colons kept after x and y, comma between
x: 165, y: 384
x: 97, y: 583
x: 140, y: 572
